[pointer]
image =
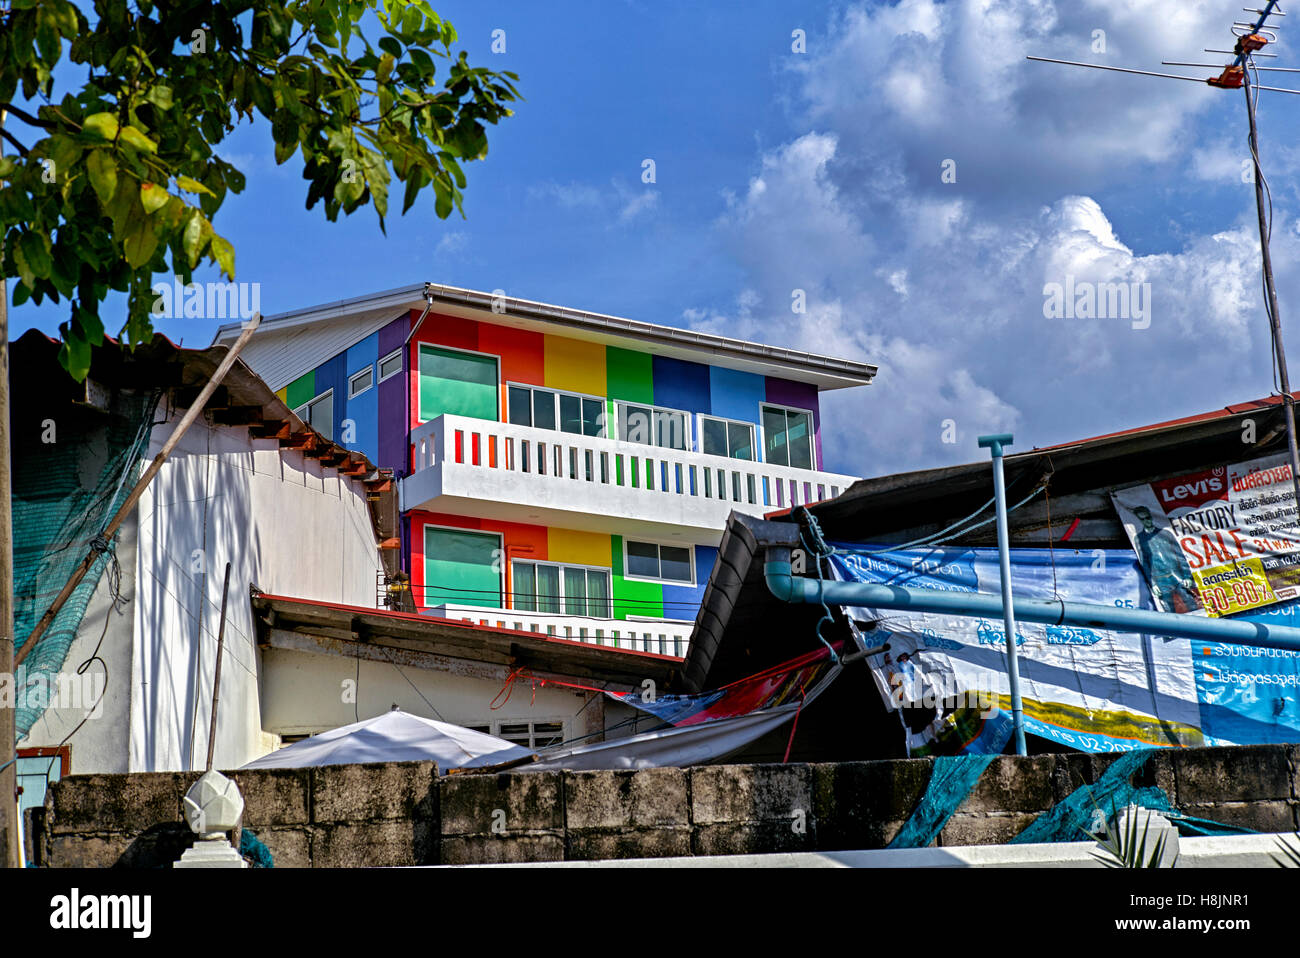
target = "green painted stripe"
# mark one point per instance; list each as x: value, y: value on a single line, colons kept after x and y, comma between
x: 629, y: 375
x: 301, y: 390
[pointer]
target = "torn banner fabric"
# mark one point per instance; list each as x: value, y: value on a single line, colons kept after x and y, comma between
x: 1091, y: 689
x: 709, y: 726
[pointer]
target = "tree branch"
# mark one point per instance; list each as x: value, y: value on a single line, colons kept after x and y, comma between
x: 26, y: 117
x: 10, y: 137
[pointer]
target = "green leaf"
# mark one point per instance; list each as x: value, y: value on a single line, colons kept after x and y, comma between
x: 160, y: 96
x: 74, y: 356
x: 101, y: 125
x: 35, y: 251
x: 125, y: 204
x: 152, y: 197
x: 192, y: 186
x: 103, y: 175
x: 390, y: 45
x: 140, y: 242
x: 133, y: 138
x: 197, y: 233
x: 224, y: 254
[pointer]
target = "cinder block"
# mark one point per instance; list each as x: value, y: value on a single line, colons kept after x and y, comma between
x: 383, y: 790
x: 863, y: 804
x: 373, y: 845
x: 1275, y: 816
x: 274, y: 796
x: 984, y: 829
x: 1248, y: 773
x: 522, y: 802
x: 1012, y: 783
x: 750, y: 793
x: 753, y: 838
x: 1157, y: 771
x: 642, y: 842
x: 622, y: 799
x: 117, y: 803
x: 85, y: 851
x: 289, y: 847
x: 502, y: 849
x: 1071, y: 770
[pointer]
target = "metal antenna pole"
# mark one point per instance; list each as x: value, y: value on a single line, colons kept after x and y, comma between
x: 1275, y: 320
x: 995, y: 444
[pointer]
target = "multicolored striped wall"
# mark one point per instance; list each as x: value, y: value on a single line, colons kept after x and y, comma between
x: 536, y: 359
x: 378, y: 422
x: 631, y: 597
x: 557, y: 362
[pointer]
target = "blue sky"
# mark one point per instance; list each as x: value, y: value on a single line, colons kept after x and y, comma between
x: 821, y: 171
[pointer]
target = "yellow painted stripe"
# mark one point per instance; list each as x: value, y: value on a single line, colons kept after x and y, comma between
x: 578, y: 548
x: 574, y: 365
x: 283, y: 394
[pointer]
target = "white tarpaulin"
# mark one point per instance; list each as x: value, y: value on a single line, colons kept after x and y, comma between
x: 396, y: 736
x: 703, y: 740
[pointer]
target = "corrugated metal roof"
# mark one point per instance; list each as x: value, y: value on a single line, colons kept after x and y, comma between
x: 825, y: 371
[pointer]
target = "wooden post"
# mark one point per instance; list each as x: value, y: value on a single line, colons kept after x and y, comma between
x: 8, y: 716
x: 216, y: 673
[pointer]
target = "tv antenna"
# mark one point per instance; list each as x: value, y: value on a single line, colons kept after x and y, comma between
x: 1251, y: 38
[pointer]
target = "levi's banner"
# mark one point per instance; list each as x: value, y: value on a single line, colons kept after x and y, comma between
x: 1219, y: 541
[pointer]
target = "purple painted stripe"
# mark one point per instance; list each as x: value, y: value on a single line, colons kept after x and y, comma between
x: 393, y: 399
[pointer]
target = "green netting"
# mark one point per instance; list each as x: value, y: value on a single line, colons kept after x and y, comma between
x: 68, y: 481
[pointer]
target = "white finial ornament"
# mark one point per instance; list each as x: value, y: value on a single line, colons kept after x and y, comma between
x: 213, y: 806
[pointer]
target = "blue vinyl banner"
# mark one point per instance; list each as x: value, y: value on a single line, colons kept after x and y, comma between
x: 1090, y: 689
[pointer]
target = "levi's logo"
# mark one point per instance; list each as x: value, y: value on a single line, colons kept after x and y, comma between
x: 1192, y: 491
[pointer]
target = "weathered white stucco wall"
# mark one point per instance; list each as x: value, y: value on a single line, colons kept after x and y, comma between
x: 287, y: 526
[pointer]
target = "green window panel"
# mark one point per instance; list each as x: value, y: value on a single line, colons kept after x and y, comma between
x: 463, y: 384
x: 462, y: 568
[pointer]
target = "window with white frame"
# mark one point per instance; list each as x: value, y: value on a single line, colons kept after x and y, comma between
x: 319, y: 413
x: 390, y: 365
x: 532, y: 735
x: 650, y: 560
x: 561, y: 589
x: 654, y: 426
x: 359, y: 382
x: 726, y: 437
x: 552, y: 409
x: 787, y: 436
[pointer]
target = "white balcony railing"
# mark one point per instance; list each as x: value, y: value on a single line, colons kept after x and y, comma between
x: 663, y: 637
x: 542, y: 468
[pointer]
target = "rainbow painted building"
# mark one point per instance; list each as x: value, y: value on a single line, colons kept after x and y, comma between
x: 560, y: 471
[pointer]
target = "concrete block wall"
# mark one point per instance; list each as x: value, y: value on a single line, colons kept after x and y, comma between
x: 404, y: 814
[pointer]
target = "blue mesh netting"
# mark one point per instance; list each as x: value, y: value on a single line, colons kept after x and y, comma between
x: 951, y: 781
x: 65, y: 492
x: 1070, y: 820
x: 252, y: 848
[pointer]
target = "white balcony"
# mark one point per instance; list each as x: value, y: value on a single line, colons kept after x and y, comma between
x: 498, y: 470
x: 642, y: 635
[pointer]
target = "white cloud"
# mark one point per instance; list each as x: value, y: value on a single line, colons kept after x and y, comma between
x: 451, y: 243
x: 942, y: 284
